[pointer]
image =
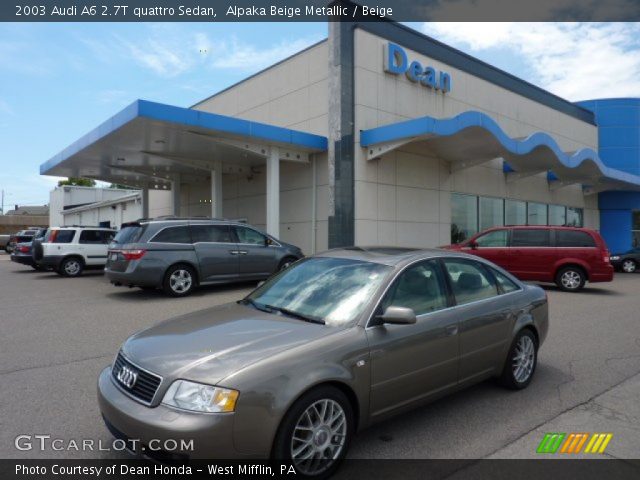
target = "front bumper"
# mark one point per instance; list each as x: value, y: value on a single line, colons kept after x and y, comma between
x: 212, y: 434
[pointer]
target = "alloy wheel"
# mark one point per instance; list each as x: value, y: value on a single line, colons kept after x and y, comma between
x: 319, y: 437
x: 629, y: 266
x: 180, y: 281
x: 523, y: 359
x: 72, y: 267
x: 571, y: 280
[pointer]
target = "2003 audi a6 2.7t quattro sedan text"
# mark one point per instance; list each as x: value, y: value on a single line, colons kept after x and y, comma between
x: 324, y: 348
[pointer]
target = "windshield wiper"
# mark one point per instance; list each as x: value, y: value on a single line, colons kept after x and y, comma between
x: 256, y: 305
x: 291, y: 313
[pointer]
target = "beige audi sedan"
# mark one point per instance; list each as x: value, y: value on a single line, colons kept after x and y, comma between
x: 330, y: 345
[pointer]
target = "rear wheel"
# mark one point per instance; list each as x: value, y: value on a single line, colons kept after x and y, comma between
x: 629, y: 266
x: 315, y: 433
x: 571, y: 279
x: 521, y: 361
x: 71, y: 267
x: 179, y: 281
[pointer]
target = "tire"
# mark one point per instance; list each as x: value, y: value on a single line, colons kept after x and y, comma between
x: 306, y: 413
x: 179, y: 281
x: 286, y: 263
x: 521, y: 361
x: 571, y: 279
x: 71, y: 267
x: 629, y: 266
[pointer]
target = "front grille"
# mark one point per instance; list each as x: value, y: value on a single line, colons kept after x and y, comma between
x: 146, y: 383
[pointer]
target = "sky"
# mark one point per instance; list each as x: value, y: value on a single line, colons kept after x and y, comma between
x: 59, y: 81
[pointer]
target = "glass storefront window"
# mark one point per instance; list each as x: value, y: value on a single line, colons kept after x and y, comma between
x: 536, y: 214
x: 515, y: 212
x: 574, y: 217
x: 464, y: 217
x: 557, y: 215
x: 491, y: 212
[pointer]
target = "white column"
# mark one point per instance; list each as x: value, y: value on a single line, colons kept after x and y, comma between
x: 145, y: 204
x: 175, y: 191
x: 216, y: 190
x: 273, y: 192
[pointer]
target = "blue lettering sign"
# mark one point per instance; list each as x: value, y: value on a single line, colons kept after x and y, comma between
x: 396, y: 62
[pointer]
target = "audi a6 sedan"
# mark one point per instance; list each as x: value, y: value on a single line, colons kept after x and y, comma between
x: 324, y: 348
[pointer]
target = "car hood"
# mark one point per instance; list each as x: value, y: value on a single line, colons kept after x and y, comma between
x: 209, y: 345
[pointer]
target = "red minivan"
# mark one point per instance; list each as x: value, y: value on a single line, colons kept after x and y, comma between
x: 567, y: 256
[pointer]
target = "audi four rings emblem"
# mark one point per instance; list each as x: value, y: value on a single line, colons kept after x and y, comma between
x: 127, y: 377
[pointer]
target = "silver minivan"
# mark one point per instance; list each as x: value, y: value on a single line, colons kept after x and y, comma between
x: 178, y: 254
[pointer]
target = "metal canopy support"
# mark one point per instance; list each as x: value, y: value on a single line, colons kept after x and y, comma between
x: 216, y: 190
x: 378, y: 151
x: 145, y: 202
x: 175, y: 193
x: 273, y: 192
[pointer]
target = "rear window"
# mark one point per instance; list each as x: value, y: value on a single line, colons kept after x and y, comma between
x: 61, y: 236
x: 129, y: 234
x: 530, y: 237
x: 571, y: 238
x: 173, y: 235
x: 211, y: 233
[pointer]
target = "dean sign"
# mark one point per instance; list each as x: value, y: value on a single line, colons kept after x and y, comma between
x: 396, y: 62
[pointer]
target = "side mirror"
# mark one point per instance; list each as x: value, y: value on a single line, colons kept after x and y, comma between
x: 260, y: 283
x: 267, y: 241
x: 398, y: 316
x: 473, y: 245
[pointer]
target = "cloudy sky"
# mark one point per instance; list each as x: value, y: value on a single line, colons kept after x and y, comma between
x: 59, y: 81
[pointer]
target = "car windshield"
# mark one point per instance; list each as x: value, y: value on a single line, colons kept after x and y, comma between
x: 333, y: 291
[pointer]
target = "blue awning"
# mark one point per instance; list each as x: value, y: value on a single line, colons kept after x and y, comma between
x: 147, y: 142
x: 473, y: 137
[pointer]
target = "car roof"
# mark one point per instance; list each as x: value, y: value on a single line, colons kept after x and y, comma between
x: 392, y: 256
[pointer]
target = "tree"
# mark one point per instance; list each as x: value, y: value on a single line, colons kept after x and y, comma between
x: 78, y: 182
x: 120, y: 186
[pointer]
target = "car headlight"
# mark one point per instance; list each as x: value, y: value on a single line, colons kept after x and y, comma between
x: 615, y: 257
x: 200, y: 398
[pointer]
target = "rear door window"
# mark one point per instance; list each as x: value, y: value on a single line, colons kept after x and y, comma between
x: 211, y: 234
x: 574, y: 238
x: 179, y: 234
x: 531, y: 237
x: 92, y: 237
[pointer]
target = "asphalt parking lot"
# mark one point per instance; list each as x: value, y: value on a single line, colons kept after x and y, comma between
x: 58, y: 333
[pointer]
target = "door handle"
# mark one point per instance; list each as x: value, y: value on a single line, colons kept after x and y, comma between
x: 233, y: 252
x: 243, y: 252
x: 451, y: 330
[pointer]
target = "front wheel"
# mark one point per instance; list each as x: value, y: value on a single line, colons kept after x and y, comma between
x: 571, y: 279
x: 521, y: 361
x: 629, y: 266
x: 179, y: 281
x: 315, y: 433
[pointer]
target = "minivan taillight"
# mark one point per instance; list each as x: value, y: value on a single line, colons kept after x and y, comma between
x: 606, y: 256
x: 133, y: 254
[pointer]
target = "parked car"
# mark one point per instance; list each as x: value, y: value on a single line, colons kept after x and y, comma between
x: 567, y: 256
x: 22, y: 252
x: 179, y: 254
x: 4, y: 240
x: 626, y: 262
x: 23, y: 236
x: 69, y: 250
x: 331, y: 345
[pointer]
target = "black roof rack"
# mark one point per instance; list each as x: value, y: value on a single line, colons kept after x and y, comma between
x: 197, y: 217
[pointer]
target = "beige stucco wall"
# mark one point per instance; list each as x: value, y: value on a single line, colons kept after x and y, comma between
x: 292, y: 94
x: 404, y: 198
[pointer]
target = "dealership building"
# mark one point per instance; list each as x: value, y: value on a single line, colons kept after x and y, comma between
x: 378, y: 135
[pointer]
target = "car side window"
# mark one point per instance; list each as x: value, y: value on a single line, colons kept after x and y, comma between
x: 211, y: 233
x: 470, y: 281
x: 63, y: 236
x: 505, y: 283
x: 574, y: 238
x: 173, y: 235
x: 249, y: 236
x: 420, y: 287
x: 530, y: 237
x: 91, y: 237
x: 497, y: 238
x: 107, y: 237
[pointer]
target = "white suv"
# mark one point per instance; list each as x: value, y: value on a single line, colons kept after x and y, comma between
x: 69, y: 250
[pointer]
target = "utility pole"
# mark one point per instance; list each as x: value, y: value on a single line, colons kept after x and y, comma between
x: 3, y: 201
